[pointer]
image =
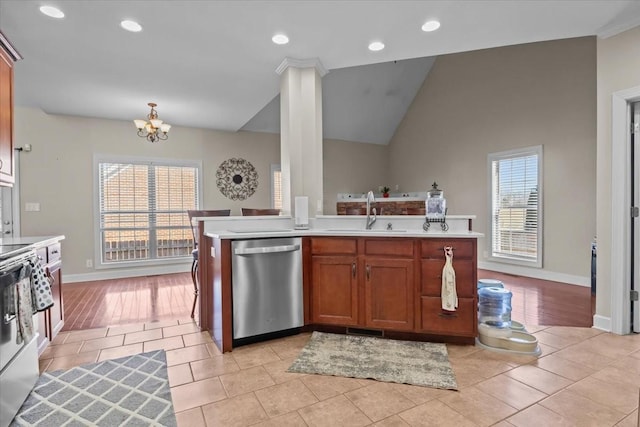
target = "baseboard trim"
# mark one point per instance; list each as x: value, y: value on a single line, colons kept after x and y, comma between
x: 536, y: 273
x: 602, y: 323
x: 124, y: 273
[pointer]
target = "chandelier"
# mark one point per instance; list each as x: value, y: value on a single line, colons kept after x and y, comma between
x: 153, y: 128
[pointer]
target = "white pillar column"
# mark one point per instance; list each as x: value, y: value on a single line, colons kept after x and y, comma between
x: 301, y: 132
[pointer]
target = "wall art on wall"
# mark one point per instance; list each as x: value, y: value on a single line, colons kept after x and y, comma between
x: 237, y: 179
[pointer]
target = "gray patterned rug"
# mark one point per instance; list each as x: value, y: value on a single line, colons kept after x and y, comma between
x: 129, y: 391
x: 406, y: 362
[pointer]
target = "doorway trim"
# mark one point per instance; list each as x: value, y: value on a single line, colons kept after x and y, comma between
x: 621, y: 177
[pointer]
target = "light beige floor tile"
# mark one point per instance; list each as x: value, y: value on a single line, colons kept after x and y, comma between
x: 142, y: 336
x: 278, y: 371
x: 60, y: 338
x: 615, y: 375
x: 214, y: 350
x: 179, y: 374
x: 198, y: 393
x: 239, y: 411
x: 165, y: 344
x: 479, y: 407
x: 418, y: 394
x: 282, y: 398
x: 290, y: 347
x: 125, y: 329
x: 187, y: 354
x: 622, y: 397
x: 546, y: 350
x: 454, y: 350
x: 84, y: 335
x: 510, y: 391
x: 436, y: 414
x: 573, y: 371
x: 580, y: 410
x: 557, y: 341
x: 326, y: 386
x: 292, y: 419
x: 246, y: 380
x: 572, y: 331
x: 379, y: 400
x: 332, y: 412
x: 254, y: 356
x: 71, y: 361
x: 43, y: 364
x: 629, y: 364
x: 392, y: 421
x: 160, y: 324
x: 115, y: 352
x: 187, y: 328
x: 196, y: 338
x: 532, y: 329
x: 213, y: 367
x: 100, y: 343
x: 478, y: 366
x: 191, y: 418
x: 503, y: 423
x: 631, y: 420
x: 538, y: 378
x: 61, y: 350
x: 584, y: 356
x: 611, y: 345
x: 537, y: 416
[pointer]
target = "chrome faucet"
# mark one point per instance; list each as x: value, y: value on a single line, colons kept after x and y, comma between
x: 370, y: 221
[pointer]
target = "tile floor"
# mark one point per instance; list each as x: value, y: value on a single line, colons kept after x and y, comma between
x: 584, y: 377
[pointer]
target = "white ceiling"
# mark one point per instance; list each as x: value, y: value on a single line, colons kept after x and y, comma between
x: 211, y: 64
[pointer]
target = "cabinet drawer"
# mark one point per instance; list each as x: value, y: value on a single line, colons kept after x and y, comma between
x: 461, y: 323
x: 53, y: 253
x: 432, y: 277
x: 395, y: 247
x: 335, y: 246
x: 434, y: 248
x: 42, y: 255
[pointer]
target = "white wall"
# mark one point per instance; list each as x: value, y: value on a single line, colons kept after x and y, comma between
x: 475, y: 103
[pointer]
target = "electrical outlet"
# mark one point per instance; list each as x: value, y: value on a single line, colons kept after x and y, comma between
x: 89, y: 263
x: 32, y: 207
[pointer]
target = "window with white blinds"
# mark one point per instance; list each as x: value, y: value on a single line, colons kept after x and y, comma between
x: 142, y: 210
x: 516, y: 206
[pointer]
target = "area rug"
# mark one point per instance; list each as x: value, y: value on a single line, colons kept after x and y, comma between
x: 129, y: 391
x: 406, y: 362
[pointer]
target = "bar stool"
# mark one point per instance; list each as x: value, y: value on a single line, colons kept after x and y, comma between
x: 194, y: 229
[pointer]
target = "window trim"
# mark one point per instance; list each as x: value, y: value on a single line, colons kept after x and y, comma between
x: 97, y: 250
x: 275, y: 167
x: 502, y: 155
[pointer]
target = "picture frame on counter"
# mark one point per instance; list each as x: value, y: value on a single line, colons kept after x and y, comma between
x: 436, y: 205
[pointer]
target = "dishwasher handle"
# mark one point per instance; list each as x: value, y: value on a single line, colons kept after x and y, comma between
x: 267, y: 250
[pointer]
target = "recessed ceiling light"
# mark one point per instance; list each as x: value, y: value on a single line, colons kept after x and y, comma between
x: 376, y: 46
x: 431, y: 26
x: 280, y: 39
x: 51, y: 11
x: 132, y: 26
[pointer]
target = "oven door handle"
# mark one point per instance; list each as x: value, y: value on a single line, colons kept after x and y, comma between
x: 8, y: 318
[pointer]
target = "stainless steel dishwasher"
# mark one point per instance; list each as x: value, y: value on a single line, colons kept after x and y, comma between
x: 267, y: 286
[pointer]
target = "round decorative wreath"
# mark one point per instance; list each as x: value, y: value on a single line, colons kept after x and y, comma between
x: 237, y: 179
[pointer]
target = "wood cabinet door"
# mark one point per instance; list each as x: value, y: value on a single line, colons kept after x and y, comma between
x: 432, y: 277
x: 43, y: 330
x: 389, y: 293
x: 462, y: 322
x: 6, y: 118
x: 334, y: 290
x: 56, y: 313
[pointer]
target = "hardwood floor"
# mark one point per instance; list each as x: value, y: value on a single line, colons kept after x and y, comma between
x: 89, y: 305
x: 96, y: 304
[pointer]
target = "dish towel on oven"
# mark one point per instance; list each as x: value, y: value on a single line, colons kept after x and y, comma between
x: 448, y: 293
x: 40, y: 287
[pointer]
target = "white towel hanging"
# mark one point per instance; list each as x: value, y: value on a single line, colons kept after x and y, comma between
x: 448, y: 293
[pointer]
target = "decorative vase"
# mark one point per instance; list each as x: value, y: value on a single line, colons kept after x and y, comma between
x: 385, y: 194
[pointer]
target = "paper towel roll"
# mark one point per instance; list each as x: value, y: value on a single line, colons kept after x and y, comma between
x: 302, y: 212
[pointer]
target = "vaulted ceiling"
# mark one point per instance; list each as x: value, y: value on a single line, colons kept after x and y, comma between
x: 211, y: 64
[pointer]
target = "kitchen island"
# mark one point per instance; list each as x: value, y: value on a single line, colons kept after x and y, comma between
x: 385, y: 281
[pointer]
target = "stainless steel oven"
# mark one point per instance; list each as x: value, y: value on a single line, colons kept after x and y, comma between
x: 18, y: 358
